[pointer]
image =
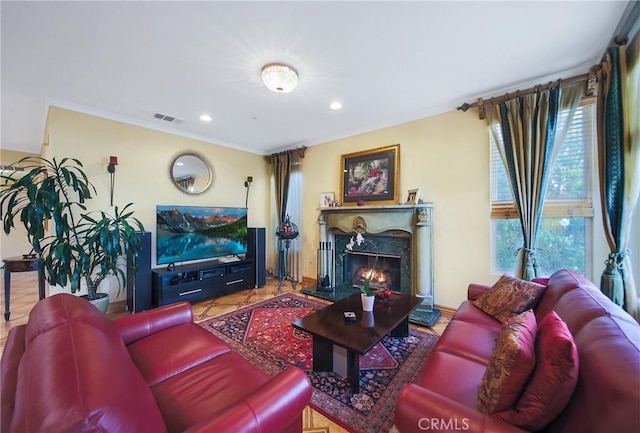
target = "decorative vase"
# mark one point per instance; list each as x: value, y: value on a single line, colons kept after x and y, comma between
x: 367, y: 302
x: 101, y: 301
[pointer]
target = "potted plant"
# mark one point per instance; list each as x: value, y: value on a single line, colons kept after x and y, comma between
x: 80, y: 246
x: 367, y: 293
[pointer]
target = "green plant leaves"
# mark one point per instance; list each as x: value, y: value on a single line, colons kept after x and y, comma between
x: 82, y: 245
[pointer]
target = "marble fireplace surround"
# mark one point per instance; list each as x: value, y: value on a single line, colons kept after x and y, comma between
x: 411, y: 225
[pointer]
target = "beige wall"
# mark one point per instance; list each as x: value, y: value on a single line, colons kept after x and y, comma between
x: 142, y: 176
x: 447, y: 157
x: 144, y: 157
x: 16, y: 244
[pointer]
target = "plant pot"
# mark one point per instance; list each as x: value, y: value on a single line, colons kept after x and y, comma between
x: 367, y: 302
x: 101, y: 301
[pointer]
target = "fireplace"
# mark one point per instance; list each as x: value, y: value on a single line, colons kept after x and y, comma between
x: 383, y: 272
x: 394, y: 253
x: 403, y: 231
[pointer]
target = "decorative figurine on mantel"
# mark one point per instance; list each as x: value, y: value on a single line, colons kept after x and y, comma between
x: 423, y: 216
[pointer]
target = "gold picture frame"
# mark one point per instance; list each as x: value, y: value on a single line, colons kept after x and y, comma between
x: 370, y: 176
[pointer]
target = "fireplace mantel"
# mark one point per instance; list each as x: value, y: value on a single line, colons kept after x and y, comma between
x: 393, y: 220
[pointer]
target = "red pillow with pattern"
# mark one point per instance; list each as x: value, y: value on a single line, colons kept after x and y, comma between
x: 508, y: 297
x: 510, y: 365
x: 553, y: 380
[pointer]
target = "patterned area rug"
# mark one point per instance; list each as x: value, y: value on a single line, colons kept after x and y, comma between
x: 262, y: 333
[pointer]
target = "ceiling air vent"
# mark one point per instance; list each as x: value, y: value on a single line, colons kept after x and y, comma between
x: 167, y: 118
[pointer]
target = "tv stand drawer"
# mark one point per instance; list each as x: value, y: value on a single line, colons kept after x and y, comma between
x: 199, y: 281
x: 190, y: 292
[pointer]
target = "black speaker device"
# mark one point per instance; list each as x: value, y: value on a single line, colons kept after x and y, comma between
x: 139, y: 295
x: 256, y: 250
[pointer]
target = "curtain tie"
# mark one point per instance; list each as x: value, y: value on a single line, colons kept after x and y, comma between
x: 615, y: 258
x: 611, y: 282
x: 530, y: 266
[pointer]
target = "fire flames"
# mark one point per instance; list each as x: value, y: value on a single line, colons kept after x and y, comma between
x: 379, y: 280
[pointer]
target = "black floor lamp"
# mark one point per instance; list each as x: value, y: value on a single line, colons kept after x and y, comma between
x: 286, y: 232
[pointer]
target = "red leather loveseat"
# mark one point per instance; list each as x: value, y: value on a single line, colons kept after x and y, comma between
x: 71, y: 369
x: 604, y: 398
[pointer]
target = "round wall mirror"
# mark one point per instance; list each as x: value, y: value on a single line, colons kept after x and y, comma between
x: 191, y: 173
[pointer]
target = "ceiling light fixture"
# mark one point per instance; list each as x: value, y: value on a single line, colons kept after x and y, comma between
x: 205, y: 118
x: 335, y: 105
x: 279, y: 78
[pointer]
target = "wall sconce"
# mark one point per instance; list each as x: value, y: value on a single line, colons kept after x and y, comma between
x: 111, y: 168
x: 247, y: 184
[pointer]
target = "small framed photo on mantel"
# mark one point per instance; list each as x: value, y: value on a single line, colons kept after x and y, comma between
x: 327, y: 199
x: 413, y: 196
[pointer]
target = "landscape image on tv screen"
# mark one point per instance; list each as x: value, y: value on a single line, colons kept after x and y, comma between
x: 186, y: 233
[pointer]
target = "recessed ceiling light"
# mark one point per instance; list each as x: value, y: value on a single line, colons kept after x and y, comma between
x: 205, y: 118
x: 335, y: 105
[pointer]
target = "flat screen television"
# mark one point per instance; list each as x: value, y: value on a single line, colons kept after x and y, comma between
x: 185, y: 233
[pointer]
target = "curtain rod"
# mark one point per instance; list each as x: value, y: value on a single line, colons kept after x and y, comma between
x: 300, y: 151
x: 629, y: 18
x: 480, y: 103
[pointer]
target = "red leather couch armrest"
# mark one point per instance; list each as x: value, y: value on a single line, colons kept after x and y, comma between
x: 474, y: 291
x: 11, y: 356
x: 145, y: 323
x: 419, y: 410
x: 542, y: 280
x: 270, y: 408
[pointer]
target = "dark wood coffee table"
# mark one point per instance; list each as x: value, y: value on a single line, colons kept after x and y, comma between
x: 328, y: 328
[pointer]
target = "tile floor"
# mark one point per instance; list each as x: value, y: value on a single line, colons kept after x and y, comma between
x: 24, y: 294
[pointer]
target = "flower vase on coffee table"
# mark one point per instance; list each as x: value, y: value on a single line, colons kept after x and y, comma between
x: 367, y: 302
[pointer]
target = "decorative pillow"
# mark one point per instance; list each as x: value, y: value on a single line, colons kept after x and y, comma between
x: 509, y: 296
x: 510, y: 365
x: 553, y: 380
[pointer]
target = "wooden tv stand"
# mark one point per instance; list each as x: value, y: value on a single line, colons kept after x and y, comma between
x: 198, y: 281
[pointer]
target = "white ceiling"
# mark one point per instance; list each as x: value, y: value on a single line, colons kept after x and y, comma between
x: 387, y: 62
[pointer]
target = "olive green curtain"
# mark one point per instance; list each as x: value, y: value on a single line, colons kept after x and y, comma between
x: 529, y: 132
x: 619, y: 162
x: 283, y: 164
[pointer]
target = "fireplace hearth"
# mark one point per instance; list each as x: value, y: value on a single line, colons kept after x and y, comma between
x: 401, y: 231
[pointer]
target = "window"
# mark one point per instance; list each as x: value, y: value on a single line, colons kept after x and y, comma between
x: 564, y: 234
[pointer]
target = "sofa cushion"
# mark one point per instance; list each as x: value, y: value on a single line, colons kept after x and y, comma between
x: 187, y: 398
x: 458, y: 334
x: 437, y: 373
x: 74, y: 378
x: 171, y: 351
x: 510, y: 366
x: 553, y: 380
x: 509, y: 296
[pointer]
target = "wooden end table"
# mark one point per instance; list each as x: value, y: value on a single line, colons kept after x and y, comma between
x: 20, y: 264
x: 329, y: 329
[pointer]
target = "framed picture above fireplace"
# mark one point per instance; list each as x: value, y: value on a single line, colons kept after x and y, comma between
x: 371, y: 176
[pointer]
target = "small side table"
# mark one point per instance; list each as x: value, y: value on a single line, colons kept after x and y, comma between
x: 20, y: 264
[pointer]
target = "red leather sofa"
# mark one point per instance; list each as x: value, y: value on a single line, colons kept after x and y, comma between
x: 606, y: 397
x: 71, y: 369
